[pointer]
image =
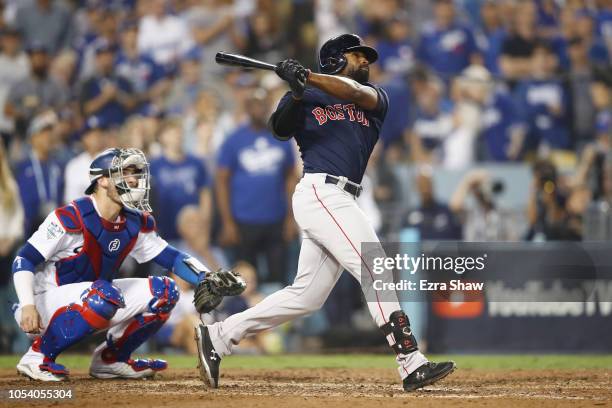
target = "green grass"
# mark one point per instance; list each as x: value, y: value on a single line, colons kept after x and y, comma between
x: 489, y: 362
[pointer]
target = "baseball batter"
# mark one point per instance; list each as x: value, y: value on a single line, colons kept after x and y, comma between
x: 64, y: 275
x: 336, y: 122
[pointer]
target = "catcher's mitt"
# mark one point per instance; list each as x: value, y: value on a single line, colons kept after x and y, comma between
x: 210, y: 291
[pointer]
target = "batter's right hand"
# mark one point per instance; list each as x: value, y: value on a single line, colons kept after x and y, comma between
x: 295, y: 74
x: 30, y: 320
x: 229, y: 234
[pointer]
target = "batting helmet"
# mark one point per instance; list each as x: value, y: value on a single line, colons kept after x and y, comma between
x: 112, y: 163
x: 331, y: 55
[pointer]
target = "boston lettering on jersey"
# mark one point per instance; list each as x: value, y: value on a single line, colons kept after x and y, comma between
x: 337, y: 137
x: 336, y: 112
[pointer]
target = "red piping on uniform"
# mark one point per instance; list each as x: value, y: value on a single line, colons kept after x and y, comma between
x: 113, y: 226
x: 90, y: 245
x: 356, y: 251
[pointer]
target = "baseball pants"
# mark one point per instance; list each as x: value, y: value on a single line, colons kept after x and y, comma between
x: 333, y: 228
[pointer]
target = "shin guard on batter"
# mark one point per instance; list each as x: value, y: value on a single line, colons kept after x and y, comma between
x: 398, y: 325
x: 72, y: 323
x: 143, y: 326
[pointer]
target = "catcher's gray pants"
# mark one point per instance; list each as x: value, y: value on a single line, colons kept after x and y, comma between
x: 333, y: 228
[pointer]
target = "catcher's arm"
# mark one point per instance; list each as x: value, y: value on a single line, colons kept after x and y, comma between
x: 211, y: 287
x: 183, y: 265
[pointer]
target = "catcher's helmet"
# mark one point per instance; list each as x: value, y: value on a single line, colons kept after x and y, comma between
x: 112, y: 163
x: 331, y: 55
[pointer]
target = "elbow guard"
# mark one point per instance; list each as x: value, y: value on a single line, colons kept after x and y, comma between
x: 27, y: 259
x: 190, y: 269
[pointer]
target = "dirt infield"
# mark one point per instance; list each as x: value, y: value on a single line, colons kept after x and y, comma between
x: 328, y: 387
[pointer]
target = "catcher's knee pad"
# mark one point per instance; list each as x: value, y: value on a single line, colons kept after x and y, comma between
x: 71, y: 323
x: 165, y: 295
x: 399, y: 326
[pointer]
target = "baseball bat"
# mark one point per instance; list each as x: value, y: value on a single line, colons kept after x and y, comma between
x: 238, y: 60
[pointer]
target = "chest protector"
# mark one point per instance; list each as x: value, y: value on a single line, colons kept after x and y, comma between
x: 106, y: 244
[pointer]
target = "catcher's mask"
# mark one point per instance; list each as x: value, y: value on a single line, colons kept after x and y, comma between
x: 128, y: 169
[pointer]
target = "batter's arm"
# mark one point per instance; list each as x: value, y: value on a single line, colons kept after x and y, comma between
x: 345, y: 88
x: 287, y: 118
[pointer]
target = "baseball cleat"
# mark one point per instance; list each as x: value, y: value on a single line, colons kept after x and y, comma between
x: 209, y: 359
x: 131, y: 369
x: 428, y: 374
x: 39, y: 372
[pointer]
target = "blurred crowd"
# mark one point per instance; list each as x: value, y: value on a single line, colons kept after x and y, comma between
x: 470, y: 83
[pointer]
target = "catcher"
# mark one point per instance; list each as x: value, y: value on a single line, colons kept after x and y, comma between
x: 65, y: 276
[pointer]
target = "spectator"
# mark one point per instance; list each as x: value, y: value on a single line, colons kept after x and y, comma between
x: 14, y: 66
x: 179, y: 178
x: 517, y: 48
x: 11, y: 217
x: 601, y: 91
x: 63, y: 68
x: 202, y: 133
x: 433, y: 219
x: 547, y: 13
x: 585, y: 29
x: 241, y: 86
x: 35, y: 93
x: 93, y: 142
x: 502, y: 133
x: 45, y: 22
x: 193, y: 226
x: 603, y: 18
x: 548, y: 217
x: 163, y: 36
x: 401, y: 110
x: 105, y: 31
x: 215, y: 27
x: 543, y: 100
x: 333, y: 18
x: 147, y: 79
x: 254, y: 182
x: 107, y: 94
x: 483, y: 221
x: 11, y: 235
x: 5, y: 15
x: 395, y: 50
x: 581, y: 106
x: 446, y: 46
x: 263, y: 34
x: 187, y: 86
x: 468, y: 92
x: 491, y: 36
x: 433, y: 122
x: 39, y: 177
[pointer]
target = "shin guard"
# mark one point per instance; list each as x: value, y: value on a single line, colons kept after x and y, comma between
x: 399, y: 326
x: 72, y: 323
